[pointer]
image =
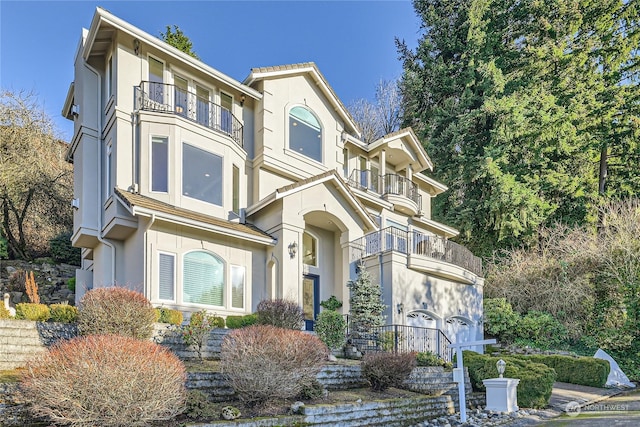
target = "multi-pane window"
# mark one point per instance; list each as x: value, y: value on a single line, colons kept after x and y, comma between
x: 203, y: 279
x: 236, y: 190
x: 181, y: 90
x: 237, y: 286
x: 226, y: 102
x: 159, y: 164
x: 202, y: 106
x: 156, y: 80
x: 201, y: 175
x: 166, y: 276
x: 305, y: 133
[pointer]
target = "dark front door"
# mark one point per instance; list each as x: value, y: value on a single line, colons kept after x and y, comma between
x: 310, y: 300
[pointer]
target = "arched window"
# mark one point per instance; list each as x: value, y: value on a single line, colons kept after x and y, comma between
x: 203, y: 279
x: 305, y: 133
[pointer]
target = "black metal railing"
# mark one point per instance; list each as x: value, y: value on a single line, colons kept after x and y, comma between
x: 418, y: 243
x: 401, y: 186
x: 402, y: 339
x: 386, y: 184
x: 166, y: 98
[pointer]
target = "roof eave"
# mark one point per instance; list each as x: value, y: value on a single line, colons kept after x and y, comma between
x: 102, y: 15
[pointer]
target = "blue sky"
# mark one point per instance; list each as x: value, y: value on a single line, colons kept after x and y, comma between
x: 352, y: 42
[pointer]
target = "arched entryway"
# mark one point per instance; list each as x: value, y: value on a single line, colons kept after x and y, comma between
x: 422, y: 332
x: 459, y: 329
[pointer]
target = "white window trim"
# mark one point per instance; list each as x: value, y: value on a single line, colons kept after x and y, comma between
x: 175, y: 275
x: 315, y: 237
x: 151, y: 190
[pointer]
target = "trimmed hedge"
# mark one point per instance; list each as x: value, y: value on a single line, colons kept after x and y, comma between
x: 575, y: 370
x: 536, y: 379
x: 236, y: 322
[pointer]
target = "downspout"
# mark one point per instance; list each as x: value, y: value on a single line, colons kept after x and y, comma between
x: 101, y: 239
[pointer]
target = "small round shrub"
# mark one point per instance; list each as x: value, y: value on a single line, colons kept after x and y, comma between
x: 71, y: 284
x: 116, y: 310
x: 330, y: 328
x: 167, y: 315
x: 4, y: 313
x: 332, y: 303
x: 105, y: 380
x: 266, y: 363
x: 430, y: 359
x: 384, y: 370
x: 199, y: 406
x: 235, y: 322
x: 31, y: 311
x: 63, y: 313
x: 280, y: 313
x: 500, y: 320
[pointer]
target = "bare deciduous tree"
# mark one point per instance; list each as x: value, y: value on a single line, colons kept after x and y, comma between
x: 35, y: 181
x: 382, y: 117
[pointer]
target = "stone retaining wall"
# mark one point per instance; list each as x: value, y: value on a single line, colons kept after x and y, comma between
x: 20, y: 340
x: 391, y: 412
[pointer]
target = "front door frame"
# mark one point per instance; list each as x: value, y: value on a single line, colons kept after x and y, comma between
x: 310, y: 323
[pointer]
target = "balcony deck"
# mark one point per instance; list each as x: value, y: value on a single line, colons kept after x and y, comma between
x: 417, y: 246
x: 397, y: 189
x: 170, y: 99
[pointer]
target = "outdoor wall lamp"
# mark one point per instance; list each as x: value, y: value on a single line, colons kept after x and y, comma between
x: 501, y: 364
x: 400, y: 308
x: 293, y: 249
x: 136, y: 46
x: 242, y: 98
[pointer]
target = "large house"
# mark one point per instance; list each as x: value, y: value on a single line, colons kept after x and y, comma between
x: 202, y: 191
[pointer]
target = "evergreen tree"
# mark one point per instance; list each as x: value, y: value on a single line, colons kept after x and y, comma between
x: 514, y: 104
x: 179, y: 40
x: 367, y: 308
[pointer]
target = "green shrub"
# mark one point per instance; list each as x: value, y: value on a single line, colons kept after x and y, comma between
x: 390, y: 340
x: 575, y: 370
x: 280, y: 313
x: 384, y: 370
x: 536, y: 379
x: 266, y: 363
x: 116, y: 310
x: 31, y: 311
x: 330, y: 328
x: 541, y: 330
x: 105, y: 380
x: 4, y: 247
x: 71, y: 284
x: 236, y: 322
x: 63, y: 313
x: 167, y: 315
x: 62, y: 251
x: 500, y: 320
x: 430, y: 359
x: 332, y: 303
x: 4, y: 313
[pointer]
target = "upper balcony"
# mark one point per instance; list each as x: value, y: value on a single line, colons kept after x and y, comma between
x: 170, y: 99
x: 433, y: 254
x: 397, y: 189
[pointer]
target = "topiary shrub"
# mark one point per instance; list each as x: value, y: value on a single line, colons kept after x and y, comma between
x: 31, y: 311
x: 116, y: 310
x: 575, y: 370
x: 330, y: 328
x: 265, y: 363
x: 536, y: 379
x: 280, y: 313
x: 105, y: 380
x: 63, y: 313
x: 62, y: 251
x: 167, y: 315
x: 235, y: 322
x: 384, y: 370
